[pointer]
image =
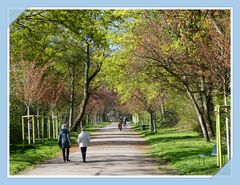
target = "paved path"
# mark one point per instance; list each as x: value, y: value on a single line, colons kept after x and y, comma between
x: 111, y: 153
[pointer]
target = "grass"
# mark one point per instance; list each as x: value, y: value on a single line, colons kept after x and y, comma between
x: 22, y: 157
x: 180, y: 150
x: 25, y: 156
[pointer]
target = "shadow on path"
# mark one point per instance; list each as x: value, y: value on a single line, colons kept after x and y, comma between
x: 111, y: 153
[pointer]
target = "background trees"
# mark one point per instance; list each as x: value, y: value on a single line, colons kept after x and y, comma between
x: 180, y: 50
x: 173, y: 42
x: 77, y: 43
x: 94, y: 60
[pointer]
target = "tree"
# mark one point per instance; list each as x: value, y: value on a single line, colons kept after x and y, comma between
x: 131, y: 81
x: 142, y: 54
x: 84, y: 31
x: 171, y: 39
x: 176, y: 47
x: 32, y: 84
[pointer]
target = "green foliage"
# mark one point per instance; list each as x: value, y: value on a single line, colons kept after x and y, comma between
x: 181, y: 110
x: 144, y: 56
x: 60, y: 39
x: 170, y: 119
x: 15, y: 130
x: 17, y: 109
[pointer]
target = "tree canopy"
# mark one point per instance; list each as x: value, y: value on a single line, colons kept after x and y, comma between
x: 77, y: 61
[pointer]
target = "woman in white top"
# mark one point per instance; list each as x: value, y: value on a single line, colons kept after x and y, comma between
x: 83, y: 141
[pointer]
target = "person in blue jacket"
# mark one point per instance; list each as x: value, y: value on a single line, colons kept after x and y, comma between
x: 64, y: 142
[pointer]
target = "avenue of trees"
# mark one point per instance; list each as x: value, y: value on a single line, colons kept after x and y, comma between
x: 80, y: 62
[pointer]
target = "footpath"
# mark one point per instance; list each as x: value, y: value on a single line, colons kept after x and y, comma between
x: 111, y: 153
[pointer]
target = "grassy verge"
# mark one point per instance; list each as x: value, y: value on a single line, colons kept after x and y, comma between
x: 24, y: 156
x: 180, y: 150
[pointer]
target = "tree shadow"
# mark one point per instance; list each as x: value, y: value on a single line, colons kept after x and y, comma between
x: 118, y: 143
x: 171, y: 139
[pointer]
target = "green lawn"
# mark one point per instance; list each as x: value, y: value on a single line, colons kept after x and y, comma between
x: 24, y: 156
x: 179, y: 150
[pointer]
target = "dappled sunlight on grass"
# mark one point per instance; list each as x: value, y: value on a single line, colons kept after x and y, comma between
x: 180, y: 150
x: 22, y: 158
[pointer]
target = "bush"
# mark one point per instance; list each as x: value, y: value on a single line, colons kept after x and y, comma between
x: 15, y: 132
x: 170, y: 119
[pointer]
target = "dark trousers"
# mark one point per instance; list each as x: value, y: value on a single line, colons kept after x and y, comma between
x: 84, y: 152
x: 64, y: 154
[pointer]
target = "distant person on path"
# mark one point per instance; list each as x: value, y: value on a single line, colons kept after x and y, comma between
x: 83, y: 141
x: 64, y: 142
x: 125, y: 121
x: 120, y: 123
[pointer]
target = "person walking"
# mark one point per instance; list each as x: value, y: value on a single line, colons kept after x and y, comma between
x: 120, y: 123
x: 83, y: 141
x: 125, y: 122
x: 64, y: 142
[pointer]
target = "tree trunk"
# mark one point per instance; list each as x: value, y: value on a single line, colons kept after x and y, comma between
x: 70, y: 117
x: 205, y: 108
x: 53, y: 125
x: 199, y: 113
x: 87, y: 120
x: 227, y: 121
x: 210, y: 112
x: 49, y: 126
x: 72, y: 96
x: 152, y: 121
x: 162, y: 110
x: 215, y: 23
x: 207, y: 118
x: 28, y: 122
x: 38, y: 127
x: 86, y: 93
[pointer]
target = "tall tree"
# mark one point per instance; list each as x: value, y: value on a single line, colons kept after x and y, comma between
x: 86, y: 30
x: 171, y: 39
